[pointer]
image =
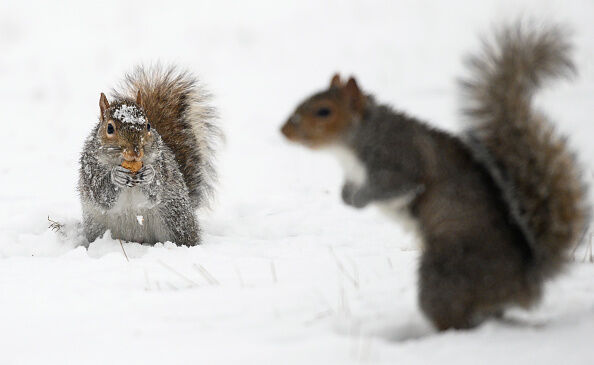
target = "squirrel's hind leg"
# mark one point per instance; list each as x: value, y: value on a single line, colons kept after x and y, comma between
x: 92, y: 229
x: 179, y: 218
x: 452, y: 290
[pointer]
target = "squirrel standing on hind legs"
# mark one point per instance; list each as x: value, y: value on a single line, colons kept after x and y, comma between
x: 148, y: 164
x: 497, y: 209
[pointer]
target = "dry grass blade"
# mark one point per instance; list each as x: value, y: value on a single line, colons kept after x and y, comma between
x: 588, y: 250
x: 355, y: 270
x: 172, y: 287
x: 190, y: 281
x: 589, y: 254
x: 343, y: 270
x: 579, y: 242
x: 319, y: 316
x: 344, y: 302
x: 205, y: 274
x: 54, y: 226
x: 124, y: 251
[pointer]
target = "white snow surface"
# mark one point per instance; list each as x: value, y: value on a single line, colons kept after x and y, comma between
x: 286, y: 274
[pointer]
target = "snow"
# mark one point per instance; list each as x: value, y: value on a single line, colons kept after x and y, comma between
x: 129, y: 114
x: 287, y: 274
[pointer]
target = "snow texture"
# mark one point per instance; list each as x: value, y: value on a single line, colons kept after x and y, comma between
x: 286, y: 274
x: 129, y: 114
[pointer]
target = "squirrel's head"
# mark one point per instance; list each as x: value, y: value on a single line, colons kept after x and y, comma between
x: 325, y: 117
x: 124, y: 131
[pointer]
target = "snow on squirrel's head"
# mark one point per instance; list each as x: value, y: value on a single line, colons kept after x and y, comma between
x: 130, y: 114
x: 124, y: 129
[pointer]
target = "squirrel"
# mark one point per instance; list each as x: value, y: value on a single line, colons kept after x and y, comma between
x: 148, y: 164
x: 497, y: 207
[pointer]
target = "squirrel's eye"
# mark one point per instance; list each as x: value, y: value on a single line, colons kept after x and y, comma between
x: 323, y: 112
x: 148, y: 127
x: 110, y: 129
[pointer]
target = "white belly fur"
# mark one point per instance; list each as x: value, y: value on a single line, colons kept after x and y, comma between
x: 356, y: 173
x: 354, y: 170
x: 134, y: 218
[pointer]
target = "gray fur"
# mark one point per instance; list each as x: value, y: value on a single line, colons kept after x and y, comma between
x: 496, y: 211
x: 157, y: 203
x: 112, y: 198
x: 382, y: 142
x: 176, y: 96
x: 549, y: 201
x: 474, y: 258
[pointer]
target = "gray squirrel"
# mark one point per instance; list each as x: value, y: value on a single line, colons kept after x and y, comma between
x: 148, y: 163
x: 497, y: 208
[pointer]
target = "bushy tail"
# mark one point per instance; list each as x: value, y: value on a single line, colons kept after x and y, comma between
x: 542, y: 180
x: 178, y: 109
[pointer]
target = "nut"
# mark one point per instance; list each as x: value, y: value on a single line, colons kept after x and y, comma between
x: 133, y: 166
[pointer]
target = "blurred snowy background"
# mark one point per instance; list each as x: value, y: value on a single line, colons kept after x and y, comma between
x: 287, y: 274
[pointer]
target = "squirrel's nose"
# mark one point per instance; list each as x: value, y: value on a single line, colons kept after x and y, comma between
x: 289, y: 128
x: 133, y: 154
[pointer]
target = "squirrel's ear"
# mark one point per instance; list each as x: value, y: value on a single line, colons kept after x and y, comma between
x: 335, y: 82
x: 354, y: 94
x: 139, y: 98
x: 103, y: 105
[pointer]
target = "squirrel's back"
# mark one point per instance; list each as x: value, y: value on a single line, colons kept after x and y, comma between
x: 177, y: 108
x: 540, y: 178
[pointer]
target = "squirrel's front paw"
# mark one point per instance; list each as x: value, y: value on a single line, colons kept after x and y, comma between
x: 353, y: 196
x: 348, y: 190
x: 144, y: 176
x: 122, y: 177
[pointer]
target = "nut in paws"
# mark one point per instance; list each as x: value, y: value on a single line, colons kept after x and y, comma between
x: 144, y: 176
x: 122, y: 177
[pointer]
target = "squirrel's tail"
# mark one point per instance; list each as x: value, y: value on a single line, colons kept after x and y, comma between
x: 541, y: 178
x: 178, y: 109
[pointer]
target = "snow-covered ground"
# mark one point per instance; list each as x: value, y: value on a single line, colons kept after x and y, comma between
x: 287, y: 274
